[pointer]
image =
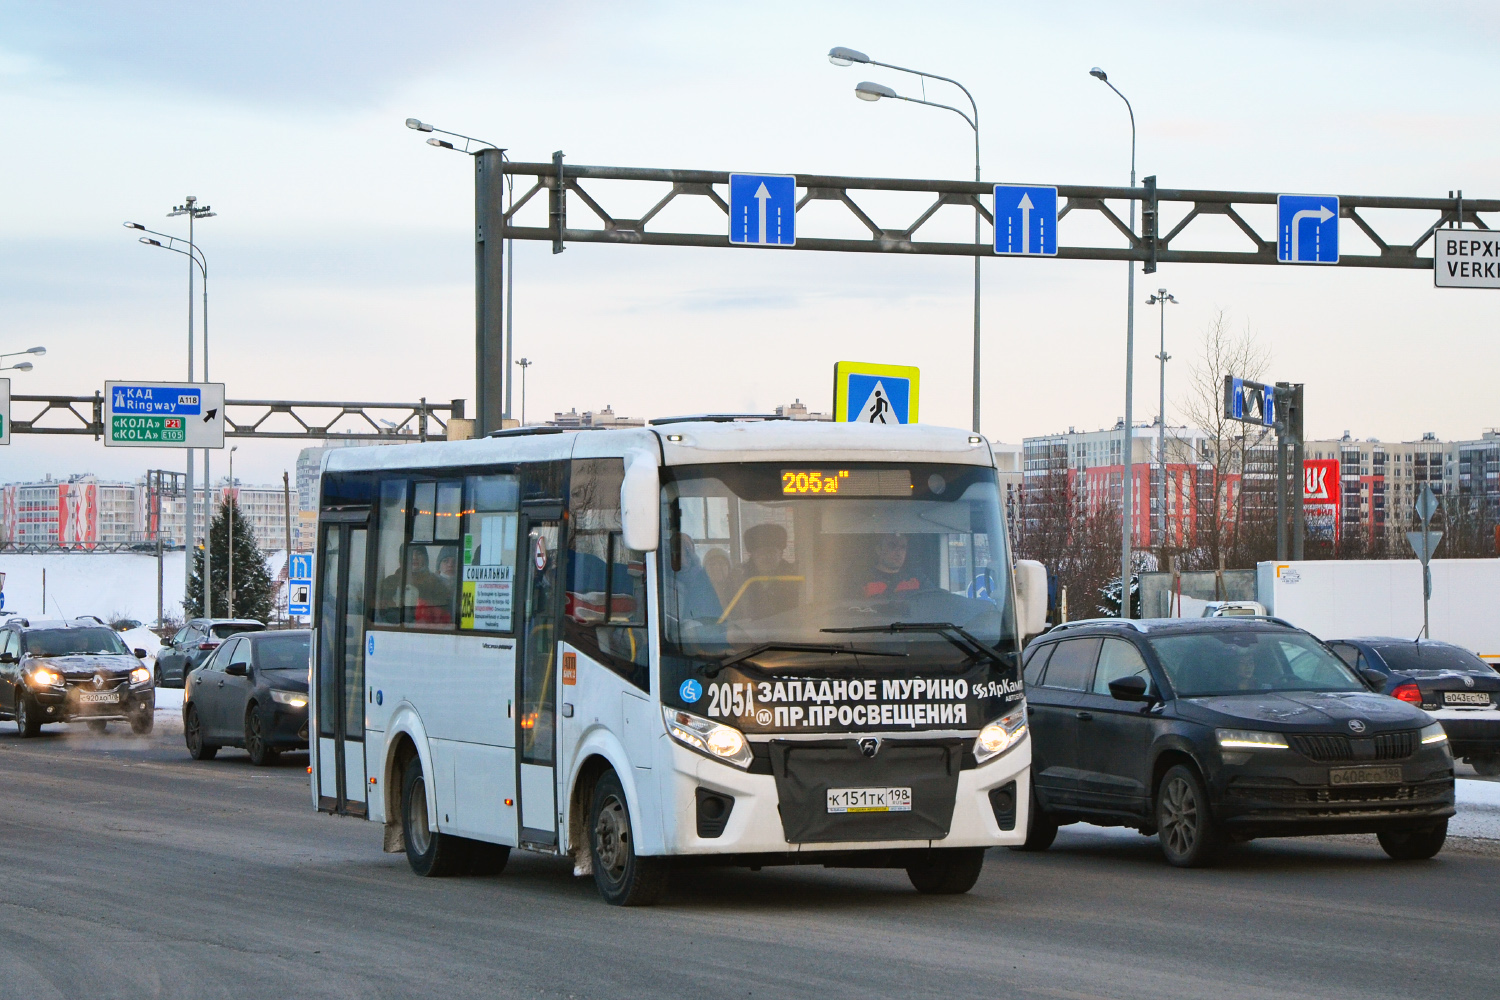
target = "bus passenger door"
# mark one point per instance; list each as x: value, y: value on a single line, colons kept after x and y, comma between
x: 536, y: 721
x: 340, y: 669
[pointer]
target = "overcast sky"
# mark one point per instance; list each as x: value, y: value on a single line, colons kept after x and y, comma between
x: 342, y: 263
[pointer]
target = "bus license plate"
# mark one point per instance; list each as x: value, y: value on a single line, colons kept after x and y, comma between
x: 1364, y: 775
x: 869, y: 800
x: 1466, y: 698
x: 99, y: 697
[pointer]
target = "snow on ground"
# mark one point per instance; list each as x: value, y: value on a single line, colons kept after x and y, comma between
x: 119, y: 584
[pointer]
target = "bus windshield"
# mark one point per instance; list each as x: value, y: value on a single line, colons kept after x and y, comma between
x: 775, y: 555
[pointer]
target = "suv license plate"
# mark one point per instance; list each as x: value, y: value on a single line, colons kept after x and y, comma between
x: 869, y: 800
x: 99, y: 697
x: 1364, y: 775
x: 1466, y: 698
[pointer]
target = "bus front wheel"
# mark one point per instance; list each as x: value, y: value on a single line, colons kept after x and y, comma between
x: 947, y: 872
x: 622, y: 877
x: 430, y: 853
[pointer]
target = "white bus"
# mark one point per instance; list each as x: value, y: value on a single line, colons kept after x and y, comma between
x: 707, y: 641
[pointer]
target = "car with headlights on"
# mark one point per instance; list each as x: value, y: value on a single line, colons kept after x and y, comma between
x: 72, y: 671
x: 1215, y: 730
x: 1452, y: 684
x: 251, y: 693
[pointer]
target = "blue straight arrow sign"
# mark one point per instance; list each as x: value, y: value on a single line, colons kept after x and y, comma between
x: 762, y: 210
x: 1025, y: 220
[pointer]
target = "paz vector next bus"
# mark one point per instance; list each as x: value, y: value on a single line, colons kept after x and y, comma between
x: 707, y: 641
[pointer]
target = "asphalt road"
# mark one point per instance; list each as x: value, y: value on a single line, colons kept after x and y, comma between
x: 131, y: 871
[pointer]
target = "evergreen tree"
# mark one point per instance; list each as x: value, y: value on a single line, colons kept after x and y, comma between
x: 253, y: 589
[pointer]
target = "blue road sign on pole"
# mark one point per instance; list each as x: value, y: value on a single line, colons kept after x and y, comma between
x: 1307, y: 229
x: 299, y: 584
x: 1251, y: 402
x: 1026, y: 220
x: 762, y: 210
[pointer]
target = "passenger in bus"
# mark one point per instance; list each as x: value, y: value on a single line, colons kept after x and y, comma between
x: 716, y: 565
x: 697, y: 598
x: 890, y: 575
x: 765, y: 584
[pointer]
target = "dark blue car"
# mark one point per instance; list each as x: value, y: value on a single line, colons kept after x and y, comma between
x: 1452, y: 684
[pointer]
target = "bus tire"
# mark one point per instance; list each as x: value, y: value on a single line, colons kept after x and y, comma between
x: 622, y: 877
x: 430, y: 853
x: 486, y: 858
x: 1041, y: 831
x: 948, y: 872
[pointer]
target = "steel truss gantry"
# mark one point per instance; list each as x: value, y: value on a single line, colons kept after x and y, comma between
x: 1186, y: 206
x: 257, y: 418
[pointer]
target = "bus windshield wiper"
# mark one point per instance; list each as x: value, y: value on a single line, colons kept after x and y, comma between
x: 955, y: 634
x: 794, y: 647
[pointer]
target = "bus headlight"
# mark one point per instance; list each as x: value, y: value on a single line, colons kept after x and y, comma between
x: 43, y: 677
x: 712, y: 739
x: 1000, y: 735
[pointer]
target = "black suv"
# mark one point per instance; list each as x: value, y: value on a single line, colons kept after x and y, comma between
x: 72, y: 671
x: 1210, y: 730
x: 192, y: 645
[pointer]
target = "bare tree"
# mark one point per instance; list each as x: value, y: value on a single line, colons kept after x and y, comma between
x: 1234, y: 499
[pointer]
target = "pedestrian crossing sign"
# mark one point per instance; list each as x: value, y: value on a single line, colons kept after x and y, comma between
x: 874, y: 394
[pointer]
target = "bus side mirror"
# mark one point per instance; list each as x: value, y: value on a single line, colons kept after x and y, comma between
x: 640, y: 517
x: 1031, y: 597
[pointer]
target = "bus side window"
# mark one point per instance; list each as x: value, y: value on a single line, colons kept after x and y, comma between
x: 606, y: 610
x: 487, y: 597
x: 390, y: 540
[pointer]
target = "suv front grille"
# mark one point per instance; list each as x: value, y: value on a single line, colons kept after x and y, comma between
x: 1386, y: 746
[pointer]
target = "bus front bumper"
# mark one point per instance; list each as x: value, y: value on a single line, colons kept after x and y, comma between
x: 991, y: 808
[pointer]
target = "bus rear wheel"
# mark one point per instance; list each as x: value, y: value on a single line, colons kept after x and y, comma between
x: 948, y: 872
x: 430, y: 853
x: 623, y: 877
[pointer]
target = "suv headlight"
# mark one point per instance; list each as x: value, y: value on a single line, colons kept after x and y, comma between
x: 296, y: 699
x: 1000, y: 735
x: 140, y: 675
x: 45, y: 677
x: 712, y: 739
x: 1433, y: 734
x: 1249, y: 739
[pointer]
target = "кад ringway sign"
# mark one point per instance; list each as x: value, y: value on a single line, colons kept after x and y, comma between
x: 164, y: 414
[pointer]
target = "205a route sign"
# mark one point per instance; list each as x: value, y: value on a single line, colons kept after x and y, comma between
x: 164, y: 414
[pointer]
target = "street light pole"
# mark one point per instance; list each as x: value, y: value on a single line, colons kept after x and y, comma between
x: 524, y: 364
x: 492, y: 282
x: 194, y: 212
x: 195, y: 257
x: 1161, y: 298
x: 229, y: 521
x: 841, y: 56
x: 1128, y: 454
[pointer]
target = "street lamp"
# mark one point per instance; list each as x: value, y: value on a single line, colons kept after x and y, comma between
x: 842, y: 56
x: 1128, y: 454
x: 229, y: 521
x: 21, y: 366
x: 524, y: 364
x: 195, y: 257
x: 1161, y: 298
x: 474, y: 147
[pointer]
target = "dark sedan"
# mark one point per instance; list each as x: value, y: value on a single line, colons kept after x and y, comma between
x: 193, y: 644
x: 252, y: 693
x: 1455, y: 687
x: 72, y: 671
x: 1207, y: 731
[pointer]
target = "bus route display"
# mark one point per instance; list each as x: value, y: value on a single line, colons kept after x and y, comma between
x: 846, y: 482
